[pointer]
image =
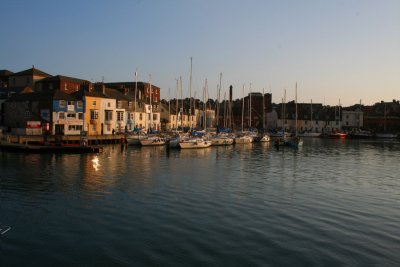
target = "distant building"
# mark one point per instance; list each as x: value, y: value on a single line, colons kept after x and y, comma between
x: 382, y: 116
x: 65, y: 84
x: 26, y: 78
x: 4, y: 78
x: 52, y: 113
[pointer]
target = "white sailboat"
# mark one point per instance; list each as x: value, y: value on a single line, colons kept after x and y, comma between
x: 294, y: 141
x: 265, y: 137
x: 152, y: 141
x: 243, y: 138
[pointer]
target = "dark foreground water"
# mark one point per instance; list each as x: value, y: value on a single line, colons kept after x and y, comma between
x: 331, y: 203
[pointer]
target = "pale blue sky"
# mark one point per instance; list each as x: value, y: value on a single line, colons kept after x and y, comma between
x: 334, y: 49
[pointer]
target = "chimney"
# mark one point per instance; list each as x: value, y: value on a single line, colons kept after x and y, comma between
x: 100, y: 87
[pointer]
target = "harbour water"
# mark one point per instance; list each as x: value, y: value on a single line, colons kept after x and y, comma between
x: 329, y: 203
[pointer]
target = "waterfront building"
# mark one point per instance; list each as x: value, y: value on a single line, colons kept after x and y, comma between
x: 352, y: 119
x: 382, y: 116
x: 27, y: 77
x: 6, y: 93
x: 92, y: 101
x: 4, y: 78
x: 62, y: 83
x: 146, y: 109
x: 116, y: 109
x: 47, y: 112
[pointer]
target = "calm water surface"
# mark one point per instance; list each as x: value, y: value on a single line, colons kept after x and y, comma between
x: 330, y: 203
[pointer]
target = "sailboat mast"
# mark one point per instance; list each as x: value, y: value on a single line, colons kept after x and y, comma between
x: 282, y: 115
x: 284, y: 111
x: 311, y: 120
x: 263, y: 110
x: 250, y: 108
x: 243, y: 107
x: 296, y: 109
x: 151, y: 105
x: 134, y: 112
x: 205, y: 105
x: 190, y: 94
x: 176, y: 105
x: 218, y: 96
x: 340, y: 123
x: 180, y: 79
x: 225, y: 109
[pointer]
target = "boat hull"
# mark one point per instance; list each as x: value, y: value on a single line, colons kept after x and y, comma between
x: 193, y: 144
x: 152, y: 142
x: 222, y: 141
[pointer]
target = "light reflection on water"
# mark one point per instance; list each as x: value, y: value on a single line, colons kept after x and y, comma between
x: 332, y: 202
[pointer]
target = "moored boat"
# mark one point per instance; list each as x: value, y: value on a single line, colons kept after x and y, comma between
x: 337, y: 135
x: 244, y: 139
x: 361, y: 134
x: 152, y: 141
x: 194, y: 143
x: 309, y: 134
x: 221, y: 141
x: 134, y: 139
x: 265, y: 138
x: 386, y: 135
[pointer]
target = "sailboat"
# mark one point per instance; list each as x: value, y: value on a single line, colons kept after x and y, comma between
x: 152, y: 140
x: 195, y: 141
x: 294, y: 141
x: 243, y: 138
x: 338, y: 134
x: 265, y: 137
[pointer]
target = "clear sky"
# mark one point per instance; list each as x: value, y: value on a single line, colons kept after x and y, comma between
x: 336, y: 49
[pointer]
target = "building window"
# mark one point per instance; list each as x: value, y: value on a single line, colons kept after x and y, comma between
x: 61, y: 116
x: 62, y: 103
x: 80, y: 116
x: 27, y: 114
x: 108, y: 115
x: 120, y: 115
x: 154, y: 117
x: 140, y: 116
x: 94, y: 127
x: 94, y: 103
x: 119, y: 104
x: 108, y: 104
x: 71, y: 115
x: 132, y: 116
x: 71, y: 103
x: 79, y: 104
x: 94, y: 114
x: 75, y: 127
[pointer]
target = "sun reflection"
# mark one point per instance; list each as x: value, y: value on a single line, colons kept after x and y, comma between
x: 96, y: 163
